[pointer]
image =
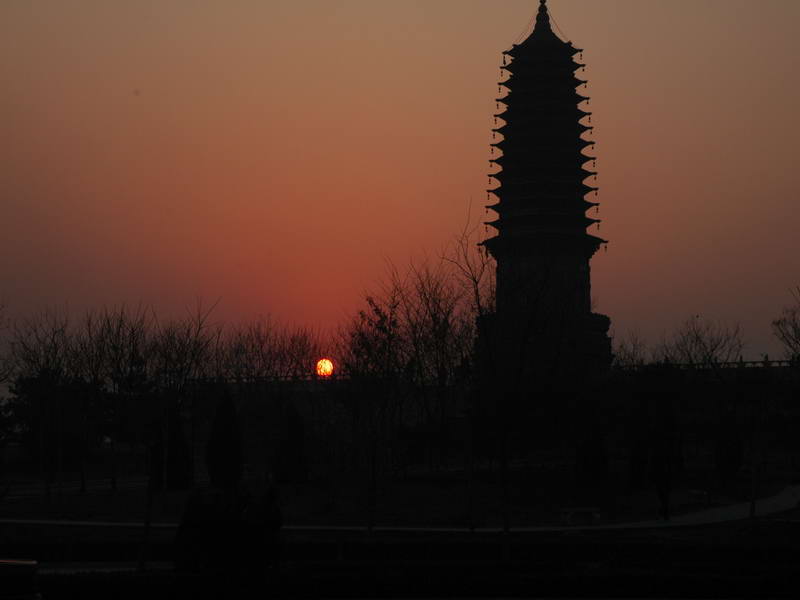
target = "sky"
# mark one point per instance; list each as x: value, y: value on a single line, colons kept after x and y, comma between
x: 274, y: 155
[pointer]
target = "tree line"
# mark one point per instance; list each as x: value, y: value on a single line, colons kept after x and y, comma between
x: 79, y: 386
x: 123, y: 376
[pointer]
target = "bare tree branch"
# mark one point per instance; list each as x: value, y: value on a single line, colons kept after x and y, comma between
x: 787, y: 327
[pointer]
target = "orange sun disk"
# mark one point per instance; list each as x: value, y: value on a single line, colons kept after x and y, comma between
x: 325, y: 367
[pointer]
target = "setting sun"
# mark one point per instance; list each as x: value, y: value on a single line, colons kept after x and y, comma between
x: 325, y: 367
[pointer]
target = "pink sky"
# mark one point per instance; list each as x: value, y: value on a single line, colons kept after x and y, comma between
x: 275, y: 154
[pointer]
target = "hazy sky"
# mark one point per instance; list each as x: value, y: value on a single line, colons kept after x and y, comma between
x: 276, y: 153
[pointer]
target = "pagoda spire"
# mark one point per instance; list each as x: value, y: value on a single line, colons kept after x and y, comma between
x: 542, y: 30
x: 543, y: 17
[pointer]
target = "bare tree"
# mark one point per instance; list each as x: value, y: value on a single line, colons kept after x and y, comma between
x: 787, y: 327
x: 630, y: 350
x: 88, y: 367
x: 420, y: 324
x: 40, y: 343
x: 699, y: 341
x: 371, y: 350
x: 128, y: 338
x: 40, y: 350
x: 265, y: 349
x: 178, y: 351
x: 405, y: 351
x: 370, y: 345
x: 6, y: 421
x: 6, y: 364
x: 474, y: 269
x: 297, y: 351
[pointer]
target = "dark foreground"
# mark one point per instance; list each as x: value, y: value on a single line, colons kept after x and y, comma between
x: 369, y: 580
x: 735, y: 560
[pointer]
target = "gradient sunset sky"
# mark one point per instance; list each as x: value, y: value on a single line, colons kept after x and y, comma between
x: 275, y: 154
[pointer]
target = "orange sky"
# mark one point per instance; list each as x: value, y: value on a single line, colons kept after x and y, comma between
x: 276, y: 153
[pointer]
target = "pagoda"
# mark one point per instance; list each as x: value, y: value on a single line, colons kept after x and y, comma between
x: 544, y: 323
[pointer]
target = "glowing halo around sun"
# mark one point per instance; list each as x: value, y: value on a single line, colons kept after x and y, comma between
x: 325, y: 368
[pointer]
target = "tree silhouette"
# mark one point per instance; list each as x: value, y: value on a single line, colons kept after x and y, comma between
x: 700, y: 341
x: 787, y: 327
x: 630, y: 350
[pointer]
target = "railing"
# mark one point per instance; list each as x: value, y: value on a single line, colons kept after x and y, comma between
x: 250, y: 379
x: 312, y: 378
x: 713, y: 366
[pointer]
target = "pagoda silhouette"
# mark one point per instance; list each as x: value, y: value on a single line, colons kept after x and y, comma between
x: 544, y: 325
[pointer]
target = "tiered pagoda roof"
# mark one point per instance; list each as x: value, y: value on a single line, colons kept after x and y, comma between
x: 540, y: 150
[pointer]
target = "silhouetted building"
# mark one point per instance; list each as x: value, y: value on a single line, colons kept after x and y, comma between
x: 544, y: 323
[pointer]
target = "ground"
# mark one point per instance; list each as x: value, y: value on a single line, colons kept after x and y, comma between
x: 537, y: 496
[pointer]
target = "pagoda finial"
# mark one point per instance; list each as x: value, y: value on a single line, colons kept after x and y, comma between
x: 543, y: 18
